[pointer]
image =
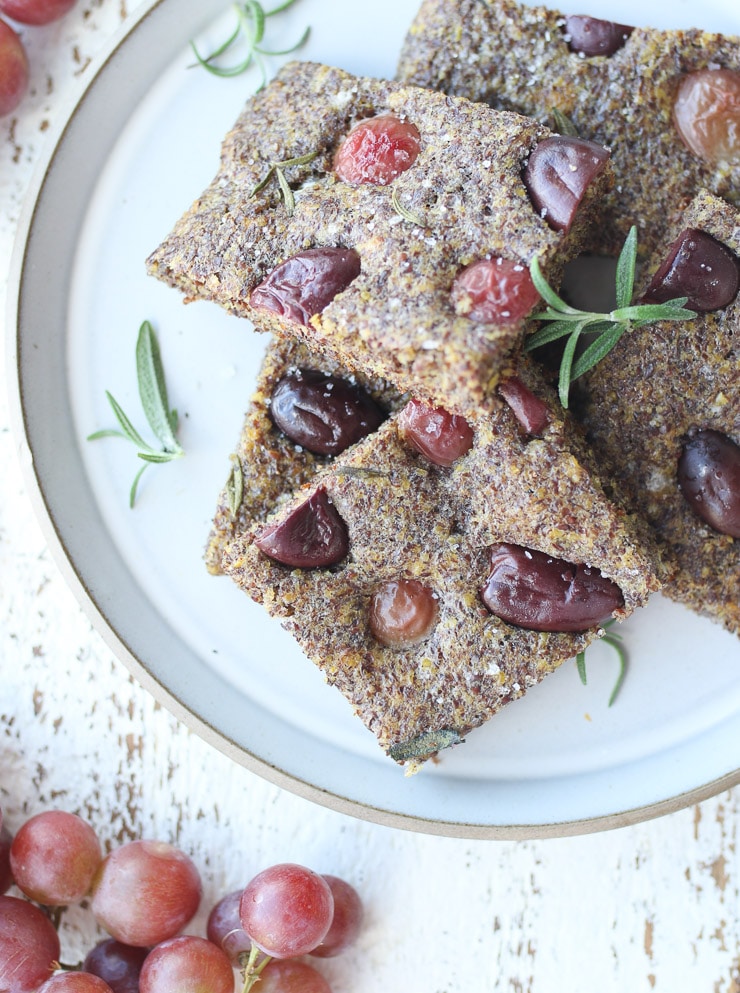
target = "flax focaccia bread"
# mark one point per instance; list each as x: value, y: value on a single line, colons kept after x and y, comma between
x: 395, y: 319
x: 655, y: 397
x: 411, y: 521
x: 516, y: 57
x: 267, y: 465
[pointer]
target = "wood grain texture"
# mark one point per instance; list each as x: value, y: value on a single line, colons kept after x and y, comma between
x: 655, y: 907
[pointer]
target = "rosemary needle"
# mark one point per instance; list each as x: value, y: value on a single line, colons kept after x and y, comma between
x: 563, y: 321
x: 614, y: 641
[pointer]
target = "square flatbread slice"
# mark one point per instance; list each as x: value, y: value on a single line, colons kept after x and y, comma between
x: 516, y: 57
x: 531, y: 497
x: 462, y: 200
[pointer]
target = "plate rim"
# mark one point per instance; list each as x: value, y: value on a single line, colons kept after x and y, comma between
x: 63, y: 558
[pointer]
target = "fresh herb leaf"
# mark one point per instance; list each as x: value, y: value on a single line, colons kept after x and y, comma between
x: 277, y: 170
x: 626, y: 263
x: 153, y: 394
x: 614, y: 641
x: 250, y: 27
x: 153, y: 389
x: 565, y: 320
x: 581, y: 666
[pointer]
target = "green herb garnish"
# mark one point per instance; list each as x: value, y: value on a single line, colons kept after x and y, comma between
x: 277, y: 169
x: 566, y: 321
x: 153, y: 393
x: 250, y: 25
x: 615, y: 642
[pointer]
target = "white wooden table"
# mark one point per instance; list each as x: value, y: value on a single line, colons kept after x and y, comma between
x: 650, y: 907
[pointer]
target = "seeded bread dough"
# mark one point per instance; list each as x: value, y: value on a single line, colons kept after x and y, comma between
x: 410, y: 519
x: 516, y: 57
x: 267, y: 466
x: 639, y: 405
x: 395, y: 321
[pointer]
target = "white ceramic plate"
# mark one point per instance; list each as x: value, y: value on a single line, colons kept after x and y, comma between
x: 139, y: 144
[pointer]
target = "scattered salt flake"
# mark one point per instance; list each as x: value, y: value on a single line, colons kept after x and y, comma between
x: 343, y: 97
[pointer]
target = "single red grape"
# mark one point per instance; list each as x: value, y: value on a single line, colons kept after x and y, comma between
x: 377, y: 150
x: 145, y: 891
x: 75, y: 982
x: 438, y: 435
x: 6, y: 874
x: 118, y: 964
x: 345, y: 926
x: 187, y: 965
x: 289, y: 976
x: 494, y: 291
x: 402, y: 613
x: 36, y: 11
x: 14, y: 71
x: 225, y: 929
x: 707, y: 114
x: 29, y: 946
x: 287, y: 910
x: 54, y: 856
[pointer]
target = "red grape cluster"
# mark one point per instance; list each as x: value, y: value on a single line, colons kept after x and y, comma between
x: 14, y: 70
x: 144, y: 893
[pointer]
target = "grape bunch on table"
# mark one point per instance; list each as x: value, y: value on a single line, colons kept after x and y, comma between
x: 144, y: 893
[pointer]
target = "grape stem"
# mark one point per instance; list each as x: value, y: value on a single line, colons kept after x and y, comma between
x: 253, y: 969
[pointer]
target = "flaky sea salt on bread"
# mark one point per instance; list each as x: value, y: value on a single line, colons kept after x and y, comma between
x: 436, y: 570
x: 349, y: 213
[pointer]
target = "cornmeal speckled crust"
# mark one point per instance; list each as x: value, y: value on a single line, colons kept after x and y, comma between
x: 639, y: 404
x: 268, y: 466
x: 516, y: 57
x: 410, y: 519
x: 395, y: 320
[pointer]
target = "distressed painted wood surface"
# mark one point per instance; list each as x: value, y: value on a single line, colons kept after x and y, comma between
x: 650, y: 907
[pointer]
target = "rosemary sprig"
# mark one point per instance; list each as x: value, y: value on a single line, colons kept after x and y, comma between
x: 250, y: 25
x: 563, y: 320
x: 614, y: 641
x: 153, y: 394
x: 277, y: 169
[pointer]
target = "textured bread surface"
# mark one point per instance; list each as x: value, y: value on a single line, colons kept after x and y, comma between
x: 410, y: 519
x: 516, y: 57
x: 266, y: 466
x: 639, y: 405
x: 396, y: 320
